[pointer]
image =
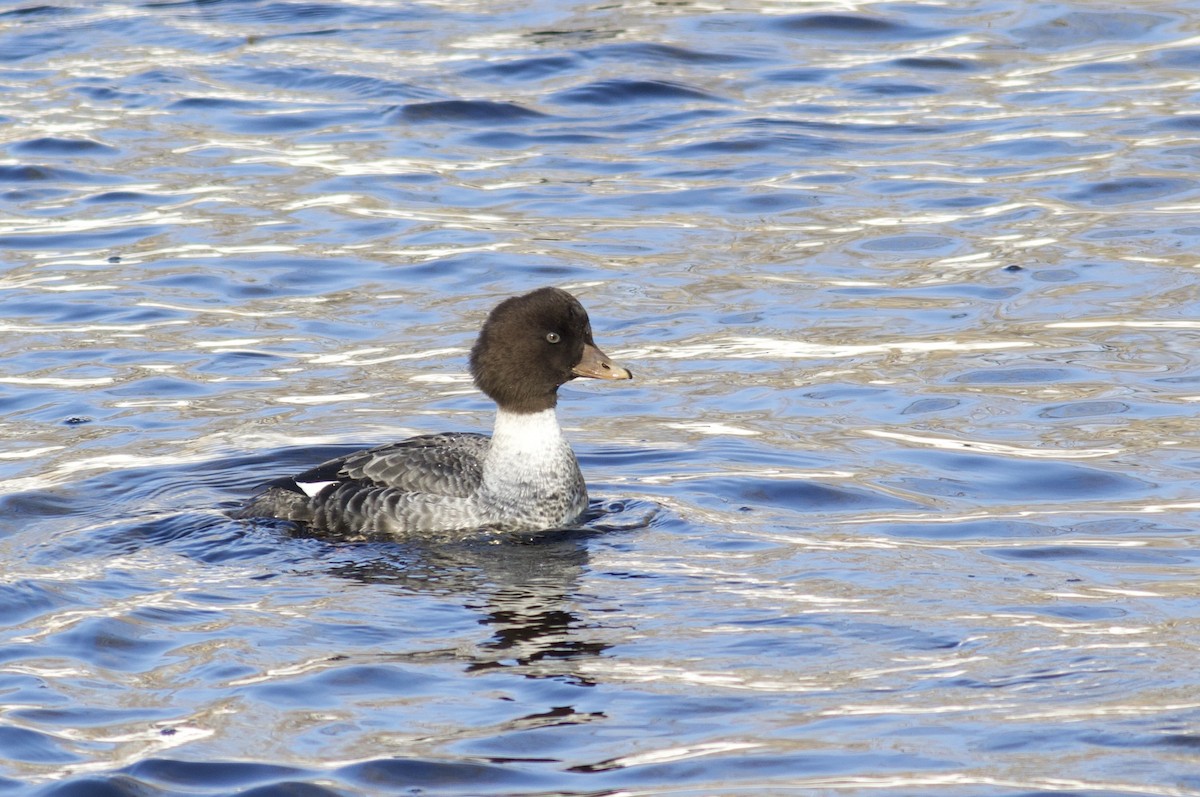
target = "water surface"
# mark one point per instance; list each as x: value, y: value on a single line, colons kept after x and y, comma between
x: 902, y: 501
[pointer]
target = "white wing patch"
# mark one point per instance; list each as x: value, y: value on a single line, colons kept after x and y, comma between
x: 312, y: 488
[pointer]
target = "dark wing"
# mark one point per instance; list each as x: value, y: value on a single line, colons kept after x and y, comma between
x: 437, y: 464
x: 362, y: 490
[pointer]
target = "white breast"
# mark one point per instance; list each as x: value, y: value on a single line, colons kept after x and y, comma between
x: 530, y: 471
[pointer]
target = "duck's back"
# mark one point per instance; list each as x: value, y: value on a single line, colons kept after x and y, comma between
x: 440, y: 464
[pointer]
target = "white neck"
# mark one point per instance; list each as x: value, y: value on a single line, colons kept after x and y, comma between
x: 528, y: 434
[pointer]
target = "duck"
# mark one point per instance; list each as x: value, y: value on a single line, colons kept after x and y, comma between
x: 524, y: 477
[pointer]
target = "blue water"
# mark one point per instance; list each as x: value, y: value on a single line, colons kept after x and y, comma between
x: 903, y: 499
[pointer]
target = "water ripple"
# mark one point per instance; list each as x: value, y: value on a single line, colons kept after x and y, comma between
x: 621, y: 92
x: 468, y: 111
x: 903, y: 497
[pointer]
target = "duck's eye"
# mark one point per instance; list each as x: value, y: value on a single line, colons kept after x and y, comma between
x: 552, y: 337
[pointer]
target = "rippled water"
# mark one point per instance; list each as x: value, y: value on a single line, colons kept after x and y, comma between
x: 903, y: 501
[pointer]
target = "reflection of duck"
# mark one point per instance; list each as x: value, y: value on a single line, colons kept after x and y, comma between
x: 523, y: 478
x: 524, y: 587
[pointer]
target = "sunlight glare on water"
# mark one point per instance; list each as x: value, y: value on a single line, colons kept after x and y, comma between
x: 902, y: 500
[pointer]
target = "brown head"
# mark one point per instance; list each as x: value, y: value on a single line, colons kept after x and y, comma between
x: 532, y: 344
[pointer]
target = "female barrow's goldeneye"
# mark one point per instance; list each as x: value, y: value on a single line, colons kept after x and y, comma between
x: 523, y: 478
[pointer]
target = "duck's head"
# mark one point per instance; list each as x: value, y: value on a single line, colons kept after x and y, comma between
x: 531, y: 344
